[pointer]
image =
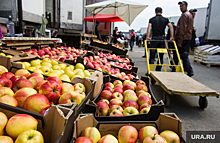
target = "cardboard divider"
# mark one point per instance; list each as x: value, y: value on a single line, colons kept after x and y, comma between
x: 166, y: 121
x: 156, y: 108
x: 59, y: 123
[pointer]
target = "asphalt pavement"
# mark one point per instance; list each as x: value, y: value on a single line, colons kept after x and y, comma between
x: 186, y: 107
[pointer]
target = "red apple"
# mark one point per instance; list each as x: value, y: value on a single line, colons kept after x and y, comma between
x: 116, y: 107
x: 108, y: 139
x: 170, y: 136
x: 116, y: 82
x: 130, y: 103
x: 128, y: 87
x: 130, y: 96
x: 139, y: 92
x: 104, y: 100
x: 15, y: 78
x: 35, y: 80
x: 144, y: 93
x: 21, y: 83
x: 36, y: 74
x: 117, y: 95
x: 82, y: 94
x: 140, y: 82
x: 56, y: 79
x: 7, y: 99
x: 120, y: 90
x: 146, y: 131
x: 144, y: 106
x: 23, y: 72
x: 70, y: 97
x: 37, y: 87
x: 102, y: 109
x: 67, y: 87
x: 52, y: 90
x: 4, y: 82
x: 115, y: 102
x: 127, y: 134
x: 144, y: 99
x: 83, y: 140
x: 154, y: 138
x: 109, y: 84
x: 7, y: 75
x: 109, y: 88
x: 44, y: 110
x: 6, y: 91
x: 119, y: 86
x: 141, y: 87
x: 36, y: 103
x: 105, y: 94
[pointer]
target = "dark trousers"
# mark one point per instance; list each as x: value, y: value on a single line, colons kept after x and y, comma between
x: 131, y: 44
x: 184, y: 53
x: 156, y: 44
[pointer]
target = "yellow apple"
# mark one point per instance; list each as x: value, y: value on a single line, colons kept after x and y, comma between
x: 56, y: 67
x: 38, y: 71
x: 9, y: 56
x: 87, y: 73
x: 46, y: 70
x: 26, y: 65
x: 53, y: 74
x: 63, y: 66
x: 30, y: 136
x: 31, y: 68
x: 65, y: 77
x: 71, y: 67
x: 46, y: 64
x: 81, y: 73
x: 2, y: 54
x: 69, y: 73
x: 35, y: 62
x: 5, y: 139
x: 80, y: 66
x: 3, y: 70
x: 37, y: 66
x: 92, y: 133
x: 53, y: 62
x: 46, y: 60
x: 58, y: 72
x: 3, y: 121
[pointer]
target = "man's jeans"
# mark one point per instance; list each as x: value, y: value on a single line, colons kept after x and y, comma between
x: 131, y: 44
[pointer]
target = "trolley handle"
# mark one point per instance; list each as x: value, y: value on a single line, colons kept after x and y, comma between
x: 157, y: 40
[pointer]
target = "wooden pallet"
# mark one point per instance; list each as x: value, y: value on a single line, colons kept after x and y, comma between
x: 207, y: 64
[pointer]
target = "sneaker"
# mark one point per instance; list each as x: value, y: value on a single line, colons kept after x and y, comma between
x: 190, y: 74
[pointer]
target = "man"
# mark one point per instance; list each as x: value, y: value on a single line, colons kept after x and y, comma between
x: 132, y: 39
x: 168, y: 31
x: 192, y: 42
x: 140, y: 38
x: 158, y: 24
x: 115, y: 35
x: 183, y: 36
x: 97, y: 31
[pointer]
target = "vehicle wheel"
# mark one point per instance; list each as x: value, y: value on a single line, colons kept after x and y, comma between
x: 203, y: 102
x: 166, y: 99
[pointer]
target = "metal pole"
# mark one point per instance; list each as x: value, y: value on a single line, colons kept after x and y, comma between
x: 20, y: 16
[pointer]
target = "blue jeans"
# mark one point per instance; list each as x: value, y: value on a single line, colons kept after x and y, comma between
x: 131, y: 45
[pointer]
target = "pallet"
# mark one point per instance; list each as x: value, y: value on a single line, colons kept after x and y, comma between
x: 207, y: 64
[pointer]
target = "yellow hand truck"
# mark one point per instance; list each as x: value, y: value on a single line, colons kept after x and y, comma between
x: 176, y: 83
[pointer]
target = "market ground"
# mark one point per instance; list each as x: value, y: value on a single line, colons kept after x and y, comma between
x: 186, y: 107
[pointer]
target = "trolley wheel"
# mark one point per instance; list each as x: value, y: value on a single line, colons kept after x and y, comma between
x: 203, y: 102
x: 166, y: 99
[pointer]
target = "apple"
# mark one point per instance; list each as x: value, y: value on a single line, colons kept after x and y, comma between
x: 102, y: 109
x: 92, y: 133
x: 130, y: 103
x: 154, y: 138
x: 6, y: 139
x: 129, y: 82
x: 44, y: 110
x: 22, y: 94
x: 7, y: 99
x: 52, y: 90
x: 80, y: 66
x: 80, y: 86
x: 130, y: 111
x: 4, y: 82
x: 104, y: 100
x: 139, y: 92
x: 83, y: 140
x: 170, y: 136
x: 36, y: 103
x: 46, y: 70
x: 141, y: 87
x: 38, y: 85
x: 115, y: 102
x: 108, y: 139
x: 65, y: 77
x: 140, y: 82
x: 56, y: 79
x: 30, y: 136
x: 66, y: 87
x: 70, y: 97
x: 118, y: 89
x: 36, y: 74
x: 129, y: 92
x: 35, y: 80
x: 23, y: 72
x: 6, y: 91
x: 106, y: 94
x: 117, y: 95
x: 115, y: 107
x: 3, y: 70
x: 116, y: 113
x: 119, y: 86
x: 144, y: 106
x: 144, y: 93
x: 146, y: 131
x: 144, y: 99
x: 128, y: 87
x: 21, y: 83
x: 116, y: 82
x: 20, y: 123
x: 130, y: 96
x: 7, y: 75
x: 109, y: 84
x: 109, y: 88
x: 3, y: 122
x: 144, y: 110
x: 82, y: 94
x: 127, y: 134
x: 15, y: 78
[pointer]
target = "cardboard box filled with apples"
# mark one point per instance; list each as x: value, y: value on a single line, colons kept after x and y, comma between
x: 167, y: 129
x: 36, y: 93
x: 57, y: 126
x: 126, y: 101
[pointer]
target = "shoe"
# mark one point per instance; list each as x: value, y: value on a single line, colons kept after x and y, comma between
x: 143, y: 56
x: 190, y: 74
x: 130, y: 50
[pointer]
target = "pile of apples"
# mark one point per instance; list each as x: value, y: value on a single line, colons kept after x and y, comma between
x: 120, y: 99
x: 31, y: 92
x: 114, y: 57
x: 98, y: 65
x: 101, y: 42
x: 51, y: 67
x: 129, y: 134
x: 21, y: 128
x: 59, y: 53
x: 5, y: 55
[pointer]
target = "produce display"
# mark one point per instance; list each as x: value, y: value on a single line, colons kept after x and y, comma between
x: 101, y: 42
x: 98, y: 65
x: 114, y: 57
x: 31, y: 92
x: 6, y: 55
x: 51, y: 67
x: 117, y: 46
x: 124, y: 99
x: 21, y: 128
x: 129, y: 134
x: 59, y: 53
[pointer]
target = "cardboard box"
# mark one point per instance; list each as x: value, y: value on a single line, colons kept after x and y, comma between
x: 166, y: 121
x: 58, y: 122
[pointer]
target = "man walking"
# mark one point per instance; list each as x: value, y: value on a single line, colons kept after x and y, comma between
x: 158, y: 24
x: 192, y: 42
x: 183, y: 36
x: 132, y: 39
